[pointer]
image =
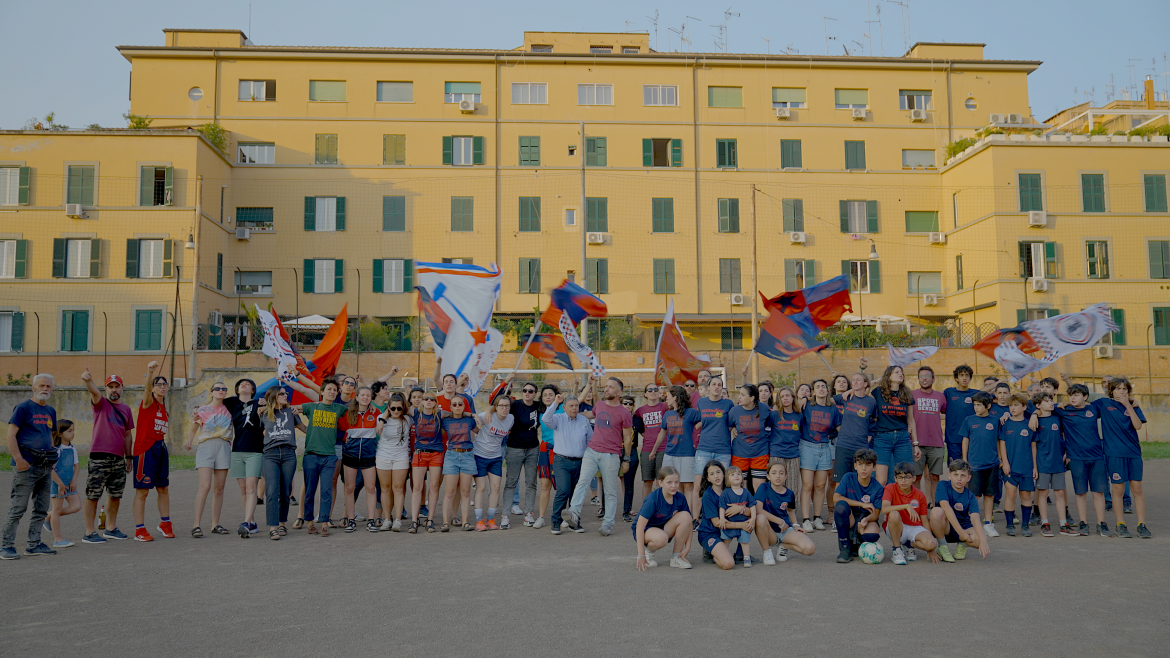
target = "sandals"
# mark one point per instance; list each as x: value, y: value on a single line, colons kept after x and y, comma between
x: 413, y: 528
x: 298, y: 524
x: 274, y: 534
x: 430, y: 525
x: 455, y: 521
x: 467, y: 527
x: 312, y: 529
x: 446, y: 527
x: 325, y: 529
x: 282, y: 530
x: 220, y: 530
x: 197, y: 532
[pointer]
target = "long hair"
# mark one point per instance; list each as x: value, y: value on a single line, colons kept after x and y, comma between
x: 884, y: 385
x: 351, y: 412
x: 404, y: 420
x: 270, y: 401
x: 754, y: 393
x: 540, y: 396
x: 682, y: 400
x: 62, y: 427
x: 779, y: 405
x: 704, y: 483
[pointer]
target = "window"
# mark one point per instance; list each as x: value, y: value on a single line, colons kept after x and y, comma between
x: 1038, y: 260
x: 725, y: 153
x: 324, y: 275
x: 799, y: 274
x: 1025, y: 315
x: 148, y: 259
x: 851, y: 99
x: 77, y: 259
x: 253, y: 283
x: 458, y: 261
x: 793, y: 210
x: 1155, y: 187
x: 462, y: 151
x: 917, y: 157
x: 661, y: 152
x: 394, y: 213
x: 1116, y: 337
x: 530, y: 151
x: 13, y: 259
x: 462, y: 213
x: 728, y: 215
x: 254, y: 218
x: 257, y: 153
x: 454, y: 92
x: 732, y: 338
x: 570, y: 216
x: 393, y: 275
x: 959, y: 272
x: 529, y: 93
x: 914, y: 100
x: 864, y: 275
x: 1161, y: 325
x: 923, y: 282
x: 971, y: 104
x: 724, y: 96
x: 11, y: 331
x: 541, y: 48
x: 74, y: 331
x: 327, y: 90
x: 1031, y: 193
x: 600, y: 50
x: 156, y: 186
x: 530, y: 214
x: 597, y: 275
x: 1097, y: 259
x: 219, y: 271
x: 326, y: 150
x: 393, y: 149
x: 729, y: 280
x: 529, y: 276
x: 921, y: 221
x: 790, y: 157
x: 1159, y: 259
x: 398, y: 332
x: 854, y: 155
x: 14, y: 186
x: 592, y: 94
x: 257, y: 90
x: 859, y: 217
x: 1093, y: 192
x: 660, y: 95
x: 81, y: 185
x: 662, y: 211
x: 664, y: 276
x: 597, y: 214
x: 788, y: 97
x: 325, y: 214
x: 595, y: 152
x: 631, y: 50
x: 395, y: 92
x: 148, y: 330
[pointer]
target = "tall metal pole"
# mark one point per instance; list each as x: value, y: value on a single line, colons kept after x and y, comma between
x: 755, y: 289
x: 581, y: 224
x: 195, y: 277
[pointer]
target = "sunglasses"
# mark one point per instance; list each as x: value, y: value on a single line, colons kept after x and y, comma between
x: 282, y: 395
x: 530, y: 390
x: 395, y: 408
x: 219, y: 388
x: 627, y: 404
x: 689, y: 385
x: 651, y: 389
x: 428, y: 399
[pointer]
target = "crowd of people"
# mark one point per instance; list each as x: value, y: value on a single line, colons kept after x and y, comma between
x: 759, y: 465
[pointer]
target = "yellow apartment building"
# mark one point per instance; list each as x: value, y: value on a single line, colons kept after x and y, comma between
x: 649, y: 176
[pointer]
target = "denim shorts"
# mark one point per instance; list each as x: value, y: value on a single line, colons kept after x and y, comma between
x: 816, y: 456
x: 893, y: 447
x: 702, y: 457
x: 459, y: 463
x: 742, y: 535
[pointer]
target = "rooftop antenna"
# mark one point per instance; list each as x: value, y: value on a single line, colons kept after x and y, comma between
x: 1132, y: 78
x: 860, y: 46
x: 727, y: 15
x: 868, y: 20
x: 905, y: 21
x: 881, y: 35
x: 249, y: 18
x: 654, y: 22
x: 767, y: 44
x: 687, y: 29
x: 1110, y: 89
x: 827, y: 37
x: 628, y: 24
x: 791, y: 50
x: 670, y: 30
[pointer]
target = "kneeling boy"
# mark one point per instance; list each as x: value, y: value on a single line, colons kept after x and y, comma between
x: 955, y: 517
x: 856, y: 505
x: 905, y: 528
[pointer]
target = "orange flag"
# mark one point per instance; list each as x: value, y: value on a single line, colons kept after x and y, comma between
x: 329, y: 351
x: 673, y: 363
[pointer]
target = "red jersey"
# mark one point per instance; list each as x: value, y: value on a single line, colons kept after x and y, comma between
x: 365, y: 426
x: 151, y: 427
x: 916, y: 499
x: 445, y: 404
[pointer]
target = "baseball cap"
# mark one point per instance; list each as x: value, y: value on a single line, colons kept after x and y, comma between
x: 114, y: 379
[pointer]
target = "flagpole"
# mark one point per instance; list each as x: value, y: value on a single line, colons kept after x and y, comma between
x: 755, y: 286
x: 658, y: 347
x: 822, y: 358
x: 531, y: 337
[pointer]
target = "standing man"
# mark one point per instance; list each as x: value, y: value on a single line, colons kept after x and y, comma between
x: 613, y: 436
x: 929, y: 408
x: 30, y: 442
x: 648, y: 423
x: 701, y: 390
x: 959, y: 406
x: 571, y: 434
x: 522, y: 452
x: 151, y: 458
x: 109, y: 456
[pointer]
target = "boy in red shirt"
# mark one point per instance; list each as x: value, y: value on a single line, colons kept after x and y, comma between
x: 906, y: 528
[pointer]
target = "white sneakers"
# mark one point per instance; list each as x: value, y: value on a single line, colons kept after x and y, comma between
x: 781, y: 554
x: 386, y: 525
x: 528, y: 520
x: 504, y: 522
x: 516, y: 511
x: 989, y: 530
x: 898, y: 557
x: 650, y: 561
x: 679, y: 563
x: 769, y: 560
x: 396, y: 526
x: 538, y: 524
x: 818, y: 524
x: 807, y: 525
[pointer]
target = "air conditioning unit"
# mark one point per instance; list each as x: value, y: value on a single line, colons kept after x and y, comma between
x: 918, y: 115
x: 797, y: 237
x: 1037, y: 218
x: 782, y: 112
x: 467, y: 107
x: 595, y: 238
x: 1039, y: 285
x: 1103, y: 351
x: 215, y: 318
x: 243, y: 234
x: 1015, y: 118
x: 75, y: 211
x: 859, y: 114
x: 996, y: 118
x: 737, y: 299
x: 938, y: 238
x: 930, y: 300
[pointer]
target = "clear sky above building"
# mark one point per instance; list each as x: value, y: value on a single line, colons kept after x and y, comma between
x: 62, y: 58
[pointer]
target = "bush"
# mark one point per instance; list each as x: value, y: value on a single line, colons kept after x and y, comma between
x: 959, y: 145
x: 214, y: 134
x: 1146, y: 131
x: 135, y: 122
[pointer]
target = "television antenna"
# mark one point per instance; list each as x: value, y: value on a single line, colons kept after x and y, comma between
x: 827, y: 37
x: 767, y: 44
x: 654, y: 23
x: 905, y: 20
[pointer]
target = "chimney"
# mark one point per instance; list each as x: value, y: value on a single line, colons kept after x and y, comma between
x: 1149, y: 95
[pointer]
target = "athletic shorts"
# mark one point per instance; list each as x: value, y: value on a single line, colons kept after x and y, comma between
x: 246, y: 464
x: 108, y: 473
x: 489, y: 465
x: 909, y: 533
x: 680, y: 464
x: 424, y: 459
x: 459, y: 463
x: 933, y: 460
x: 152, y: 469
x: 984, y: 481
x: 214, y: 454
x: 816, y: 456
x: 650, y: 467
x: 756, y: 466
x: 1124, y: 469
x: 359, y: 463
x: 1088, y: 475
x: 1054, y: 481
x: 953, y: 537
x: 708, y: 540
x: 1021, y: 482
x: 634, y: 528
x: 954, y: 451
x: 544, y: 457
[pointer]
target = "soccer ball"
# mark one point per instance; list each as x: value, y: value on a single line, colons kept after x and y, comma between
x: 872, y: 553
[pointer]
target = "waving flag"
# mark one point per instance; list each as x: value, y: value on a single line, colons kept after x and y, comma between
x: 549, y: 348
x: 329, y: 351
x: 1015, y: 335
x: 576, y: 301
x: 904, y: 356
x: 781, y: 338
x: 1018, y: 364
x: 816, y: 307
x: 275, y: 346
x: 673, y: 363
x: 583, y: 351
x: 1068, y: 333
x: 458, y: 301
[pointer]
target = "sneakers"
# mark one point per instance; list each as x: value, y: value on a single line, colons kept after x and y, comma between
x: 516, y: 510
x: 1144, y: 532
x: 627, y: 517
x: 1083, y: 529
x: 373, y: 526
x: 1123, y: 531
x: 529, y: 520
x: 504, y: 522
x: 898, y: 556
x: 943, y: 551
x: 538, y: 524
x: 292, y: 500
x: 422, y: 511
x: 595, y: 500
x: 1128, y: 509
x: 650, y: 561
x: 1103, y: 529
x: 572, y: 519
x: 708, y: 558
x: 580, y: 529
x: 396, y: 526
x: 114, y: 533
x: 678, y: 562
x: 253, y: 529
x: 1067, y: 529
x: 556, y: 528
x: 480, y: 526
x: 770, y: 560
x: 747, y: 561
x: 781, y: 554
x: 911, y: 554
x: 9, y: 553
x: 842, y: 558
x: 818, y: 523
x: 1026, y: 530
x: 1046, y: 530
x: 165, y: 528
x: 242, y: 531
x: 807, y: 526
x: 65, y: 543
x: 359, y: 518
x: 1109, y: 506
x: 601, y: 512
x: 491, y: 524
x: 93, y: 538
x: 961, y: 551
x: 140, y: 534
x: 605, y: 530
x: 351, y: 525
x: 1011, y: 531
x: 989, y: 530
x: 40, y: 549
x: 387, y: 524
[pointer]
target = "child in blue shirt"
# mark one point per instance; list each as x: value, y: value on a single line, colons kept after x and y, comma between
x: 64, y: 498
x: 1017, y: 458
x: 857, y: 503
x: 774, y: 502
x: 737, y: 505
x: 1121, y: 419
x: 955, y: 517
x: 980, y: 435
x: 1050, y: 464
x: 665, y: 516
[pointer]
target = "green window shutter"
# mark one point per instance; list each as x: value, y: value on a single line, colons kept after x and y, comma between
x: 331, y: 149
x: 75, y: 331
x: 725, y: 153
x: 95, y: 258
x: 340, y: 223
x: 378, y: 263
x: 854, y: 155
x: 1031, y: 193
x: 1050, y: 271
x: 1118, y: 315
x: 664, y: 276
x: 477, y: 150
x: 724, y: 215
x: 131, y: 259
x: 1162, y: 326
x: 394, y: 149
x: 844, y: 216
x: 846, y: 267
x: 591, y: 275
x: 529, y: 152
x: 219, y: 271
x: 319, y: 149
x: 602, y: 276
x: 146, y: 190
x: 168, y: 258
x: 921, y: 221
x: 790, y: 155
x: 20, y: 271
x: 810, y: 273
x: 87, y: 183
x: 310, y: 213
x: 1021, y: 316
x: 794, y: 214
x: 309, y: 274
x: 871, y: 216
x: 339, y: 275
x: 647, y: 152
x: 17, y: 341
x: 595, y: 152
x: 530, y: 214
x: 1155, y: 185
x: 676, y: 153
x: 81, y: 185
x: 790, y: 275
x: 663, y: 215
x: 1051, y: 312
x: 597, y: 214
x: 169, y: 187
x: 875, y: 276
x: 148, y: 330
x: 394, y: 213
x: 1158, y: 259
x: 523, y: 276
x: 733, y: 215
x: 447, y: 149
x: 1093, y: 192
x: 407, y: 275
x: 59, y: 258
x: 22, y: 197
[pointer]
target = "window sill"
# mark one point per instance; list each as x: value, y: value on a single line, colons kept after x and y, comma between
x: 396, y: 102
x: 317, y: 101
x: 265, y: 100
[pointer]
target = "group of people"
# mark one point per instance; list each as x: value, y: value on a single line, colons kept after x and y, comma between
x: 759, y: 465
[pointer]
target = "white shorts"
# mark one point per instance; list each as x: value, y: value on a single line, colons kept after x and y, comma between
x: 389, y: 464
x: 909, y: 533
x: 680, y: 464
x: 215, y: 454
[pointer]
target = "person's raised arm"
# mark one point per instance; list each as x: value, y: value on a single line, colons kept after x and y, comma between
x: 438, y: 372
x: 310, y: 393
x: 461, y: 383
x: 148, y: 392
x: 95, y: 394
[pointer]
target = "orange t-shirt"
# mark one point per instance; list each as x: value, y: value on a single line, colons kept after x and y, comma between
x: 916, y: 499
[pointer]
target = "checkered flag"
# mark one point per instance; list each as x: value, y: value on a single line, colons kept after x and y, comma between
x: 583, y: 351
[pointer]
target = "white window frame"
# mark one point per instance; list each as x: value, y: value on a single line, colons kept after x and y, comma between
x: 256, y: 153
x: 859, y: 270
x: 851, y: 106
x: 918, y: 152
x: 378, y: 90
x: 252, y: 95
x: 913, y: 282
x: 571, y: 217
x: 236, y: 283
x: 9, y: 185
x: 7, y: 259
x: 324, y: 276
x: 150, y: 259
x: 462, y: 151
x: 6, y: 317
x: 590, y: 92
x: 921, y: 101
x: 526, y: 93
x: 858, y: 217
x: 796, y: 105
x: 393, y: 270
x: 325, y: 214
x: 77, y: 257
x: 659, y: 92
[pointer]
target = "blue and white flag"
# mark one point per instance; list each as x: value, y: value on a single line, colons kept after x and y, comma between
x: 276, y: 347
x: 904, y: 356
x: 1068, y: 333
x: 583, y: 351
x: 467, y: 295
x: 1012, y: 358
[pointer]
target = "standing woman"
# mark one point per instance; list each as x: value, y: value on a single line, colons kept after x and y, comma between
x: 213, y: 431
x: 459, y: 464
x: 894, y: 439
x: 766, y: 387
x: 280, y: 458
x: 803, y: 393
x: 489, y: 458
x: 247, y: 447
x: 427, y: 462
x: 675, y: 440
x: 753, y: 433
x: 822, y: 419
x: 544, y: 457
x: 393, y: 460
x: 664, y: 516
x: 841, y: 384
x: 787, y: 431
x: 710, y: 488
x: 360, y: 423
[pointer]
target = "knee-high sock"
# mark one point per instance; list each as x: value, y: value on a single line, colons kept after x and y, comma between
x: 841, y: 513
x: 1025, y: 515
x: 870, y: 537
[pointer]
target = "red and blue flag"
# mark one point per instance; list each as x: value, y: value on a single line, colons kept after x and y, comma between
x: 816, y: 307
x: 437, y: 318
x: 550, y: 348
x: 574, y: 300
x: 781, y: 338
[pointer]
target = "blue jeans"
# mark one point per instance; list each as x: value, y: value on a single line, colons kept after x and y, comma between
x: 279, y: 468
x: 893, y: 448
x: 566, y: 473
x: 318, y: 469
x: 702, y: 458
x: 31, y: 483
x: 609, y: 464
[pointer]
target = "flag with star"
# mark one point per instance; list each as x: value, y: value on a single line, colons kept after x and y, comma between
x: 459, y: 299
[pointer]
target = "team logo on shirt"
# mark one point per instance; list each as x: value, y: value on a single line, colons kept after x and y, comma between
x: 1055, y: 427
x: 865, y: 498
x: 784, y: 507
x: 990, y: 426
x: 1088, y: 414
x: 967, y: 400
x: 718, y: 414
x: 1023, y: 432
x: 914, y: 504
x: 958, y: 507
x: 861, y: 413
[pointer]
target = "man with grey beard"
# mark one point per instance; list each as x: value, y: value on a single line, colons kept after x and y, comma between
x: 109, y: 456
x: 30, y: 442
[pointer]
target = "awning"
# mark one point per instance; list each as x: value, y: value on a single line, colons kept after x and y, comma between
x: 313, y: 321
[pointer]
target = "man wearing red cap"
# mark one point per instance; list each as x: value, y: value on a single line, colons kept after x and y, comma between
x: 109, y: 456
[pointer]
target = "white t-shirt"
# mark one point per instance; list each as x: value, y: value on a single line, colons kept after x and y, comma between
x: 395, y: 441
x: 492, y: 434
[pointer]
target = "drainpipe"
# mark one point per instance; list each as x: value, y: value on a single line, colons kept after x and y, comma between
x: 195, y: 277
x: 698, y: 202
x: 950, y: 108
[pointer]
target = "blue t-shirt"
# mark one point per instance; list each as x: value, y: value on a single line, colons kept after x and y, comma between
x: 1117, y: 432
x: 546, y: 432
x: 1049, y: 445
x: 715, y: 434
x: 729, y: 497
x: 959, y: 406
x: 821, y: 422
x: 753, y: 431
x: 658, y: 510
x: 851, y: 487
x: 709, y: 509
x: 1082, y: 439
x: 776, y: 504
x: 460, y: 432
x: 1018, y: 440
x: 428, y: 433
x: 982, y: 434
x: 680, y: 433
x: 787, y: 428
x: 964, y: 504
x: 34, y: 425
x: 857, y: 422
